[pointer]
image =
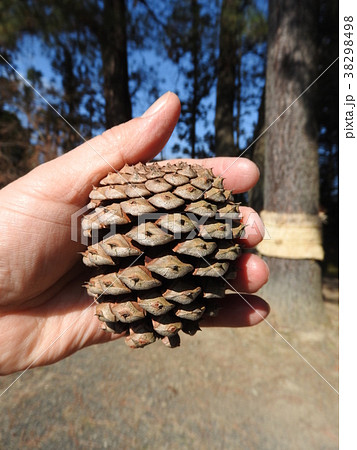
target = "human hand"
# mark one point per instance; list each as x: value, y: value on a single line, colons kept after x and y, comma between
x: 45, y: 314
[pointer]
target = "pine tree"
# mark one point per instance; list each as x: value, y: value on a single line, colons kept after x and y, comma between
x: 240, y: 69
x: 291, y: 184
x: 190, y: 43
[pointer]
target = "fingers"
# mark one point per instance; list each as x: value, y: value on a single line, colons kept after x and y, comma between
x: 240, y: 174
x: 254, y: 228
x: 252, y: 273
x: 241, y: 310
x: 68, y: 323
x: 70, y: 177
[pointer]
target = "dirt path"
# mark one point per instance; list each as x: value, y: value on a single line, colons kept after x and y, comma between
x: 224, y: 389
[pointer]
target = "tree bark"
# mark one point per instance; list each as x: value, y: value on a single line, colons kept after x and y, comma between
x: 113, y: 42
x: 238, y: 92
x: 224, y: 123
x: 291, y: 153
x: 256, y: 195
x: 195, y: 36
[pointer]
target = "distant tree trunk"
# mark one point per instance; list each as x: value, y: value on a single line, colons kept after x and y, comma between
x: 238, y: 93
x: 113, y: 42
x: 195, y: 36
x: 224, y: 123
x: 71, y: 97
x: 256, y: 195
x: 291, y: 153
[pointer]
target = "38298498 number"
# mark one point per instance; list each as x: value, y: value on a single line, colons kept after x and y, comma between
x: 348, y: 47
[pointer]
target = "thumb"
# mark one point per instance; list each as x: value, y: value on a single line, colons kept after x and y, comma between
x: 71, y: 176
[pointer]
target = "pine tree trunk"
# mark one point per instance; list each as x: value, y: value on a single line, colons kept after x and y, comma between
x: 195, y: 62
x: 71, y: 97
x: 113, y: 41
x: 224, y: 124
x: 291, y: 154
x: 238, y: 93
x: 256, y: 195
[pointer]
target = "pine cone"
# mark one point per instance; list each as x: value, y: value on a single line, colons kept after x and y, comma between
x: 162, y: 239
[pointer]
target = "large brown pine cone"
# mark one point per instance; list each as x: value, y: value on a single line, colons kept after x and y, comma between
x: 163, y: 243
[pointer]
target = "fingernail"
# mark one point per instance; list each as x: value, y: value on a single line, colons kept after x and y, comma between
x: 268, y: 270
x: 155, y: 107
x: 258, y: 315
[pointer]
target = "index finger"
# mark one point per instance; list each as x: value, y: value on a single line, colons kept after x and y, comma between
x: 240, y: 174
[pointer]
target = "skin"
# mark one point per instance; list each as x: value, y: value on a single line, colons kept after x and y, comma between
x: 45, y: 314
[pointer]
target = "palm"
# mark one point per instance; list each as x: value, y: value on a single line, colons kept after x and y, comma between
x: 43, y: 303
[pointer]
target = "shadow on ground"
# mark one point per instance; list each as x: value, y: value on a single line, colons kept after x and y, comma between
x: 223, y: 389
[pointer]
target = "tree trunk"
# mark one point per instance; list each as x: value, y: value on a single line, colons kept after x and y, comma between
x: 238, y: 93
x: 195, y: 36
x: 224, y: 123
x: 291, y: 155
x: 71, y: 98
x: 256, y: 195
x: 113, y: 42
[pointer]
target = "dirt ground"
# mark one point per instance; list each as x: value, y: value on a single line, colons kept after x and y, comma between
x: 222, y: 389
